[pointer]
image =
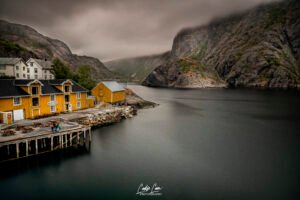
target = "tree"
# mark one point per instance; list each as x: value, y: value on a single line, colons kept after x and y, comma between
x: 84, y: 78
x: 61, y: 70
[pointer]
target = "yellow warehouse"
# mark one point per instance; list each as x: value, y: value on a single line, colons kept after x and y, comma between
x: 109, y: 92
x: 28, y: 99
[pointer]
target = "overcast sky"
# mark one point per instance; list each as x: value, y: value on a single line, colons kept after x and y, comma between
x: 110, y: 29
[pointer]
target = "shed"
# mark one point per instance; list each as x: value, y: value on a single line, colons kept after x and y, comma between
x: 109, y: 92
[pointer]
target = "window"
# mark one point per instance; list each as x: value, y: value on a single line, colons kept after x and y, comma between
x: 35, y: 101
x: 52, y: 97
x: 46, y: 77
x: 35, y: 70
x: 34, y: 90
x: 17, y: 101
x: 31, y: 64
x: 67, y: 88
x: 17, y: 75
x: 78, y: 95
x: 50, y: 76
x: 23, y: 68
x: 17, y: 67
x: 24, y: 75
x: 67, y: 98
x: 52, y: 108
x: 28, y: 76
x: 28, y: 70
x: 78, y: 104
x: 36, y: 76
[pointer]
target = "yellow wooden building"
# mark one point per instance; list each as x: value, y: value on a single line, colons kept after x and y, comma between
x: 28, y: 99
x: 109, y: 92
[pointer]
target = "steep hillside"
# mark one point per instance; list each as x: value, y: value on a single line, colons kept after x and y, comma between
x: 138, y: 68
x: 22, y: 41
x: 257, y: 48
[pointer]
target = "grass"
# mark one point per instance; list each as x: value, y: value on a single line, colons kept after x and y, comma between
x: 11, y: 46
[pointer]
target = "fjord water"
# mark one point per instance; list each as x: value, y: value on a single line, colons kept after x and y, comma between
x: 198, y: 144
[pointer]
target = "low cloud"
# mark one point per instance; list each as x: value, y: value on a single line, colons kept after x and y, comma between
x: 110, y: 29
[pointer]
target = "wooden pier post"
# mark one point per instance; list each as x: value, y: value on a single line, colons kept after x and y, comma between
x: 78, y: 138
x: 66, y: 140
x: 69, y: 138
x: 26, y: 143
x: 36, y: 146
x: 17, y: 149
x: 51, y: 143
x: 90, y: 132
x: 61, y: 141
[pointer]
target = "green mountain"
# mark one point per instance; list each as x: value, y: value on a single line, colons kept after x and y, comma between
x: 138, y: 68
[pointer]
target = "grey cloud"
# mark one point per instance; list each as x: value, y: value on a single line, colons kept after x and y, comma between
x: 110, y: 29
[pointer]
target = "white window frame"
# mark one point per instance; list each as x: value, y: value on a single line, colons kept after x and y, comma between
x: 52, y: 110
x: 78, y: 95
x: 20, y: 102
x: 78, y: 103
x: 38, y: 90
x: 68, y: 87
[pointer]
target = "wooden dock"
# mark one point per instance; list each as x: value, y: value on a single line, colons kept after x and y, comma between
x: 34, y: 144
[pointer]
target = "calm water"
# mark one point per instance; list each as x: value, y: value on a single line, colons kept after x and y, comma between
x: 198, y: 144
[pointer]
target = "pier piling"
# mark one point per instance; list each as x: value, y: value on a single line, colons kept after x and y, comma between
x: 43, y: 142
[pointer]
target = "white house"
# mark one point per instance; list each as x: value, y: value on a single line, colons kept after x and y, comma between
x: 40, y: 69
x: 13, y: 67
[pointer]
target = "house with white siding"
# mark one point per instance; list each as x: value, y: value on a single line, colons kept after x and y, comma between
x: 40, y: 69
x: 13, y: 67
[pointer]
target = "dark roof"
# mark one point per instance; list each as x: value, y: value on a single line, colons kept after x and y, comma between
x: 48, y: 88
x: 78, y: 88
x: 57, y: 81
x: 75, y: 88
x: 9, y: 89
x: 23, y: 81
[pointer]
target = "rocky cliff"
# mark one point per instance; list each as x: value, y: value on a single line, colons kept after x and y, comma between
x: 257, y: 48
x: 138, y: 68
x: 22, y: 41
